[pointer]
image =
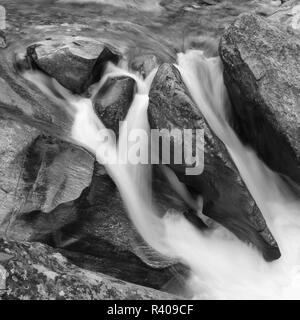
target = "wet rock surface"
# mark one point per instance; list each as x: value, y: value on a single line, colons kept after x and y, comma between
x: 262, y: 72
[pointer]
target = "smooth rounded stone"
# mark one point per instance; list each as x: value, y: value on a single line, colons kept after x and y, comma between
x: 37, y: 173
x: 262, y: 75
x: 226, y: 197
x: 38, y: 272
x: 113, y: 101
x: 75, y: 62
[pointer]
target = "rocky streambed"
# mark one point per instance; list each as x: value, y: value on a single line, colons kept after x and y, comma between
x: 64, y: 229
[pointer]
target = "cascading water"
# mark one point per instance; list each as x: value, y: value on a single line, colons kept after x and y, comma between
x: 279, y: 279
x: 222, y: 267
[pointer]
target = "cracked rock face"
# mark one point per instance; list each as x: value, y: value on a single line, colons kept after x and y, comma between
x: 262, y: 75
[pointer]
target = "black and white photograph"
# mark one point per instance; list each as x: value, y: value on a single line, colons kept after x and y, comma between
x: 149, y: 152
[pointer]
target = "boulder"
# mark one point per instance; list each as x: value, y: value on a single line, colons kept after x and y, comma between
x: 226, y: 199
x: 113, y: 101
x: 75, y: 62
x: 33, y: 271
x: 38, y: 172
x: 262, y: 75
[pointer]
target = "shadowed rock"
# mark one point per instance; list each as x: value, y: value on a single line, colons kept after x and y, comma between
x: 226, y: 198
x: 3, y: 42
x: 262, y: 74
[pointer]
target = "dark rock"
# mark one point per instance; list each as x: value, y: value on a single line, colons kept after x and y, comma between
x: 3, y: 42
x: 76, y: 63
x: 262, y: 74
x: 112, y: 102
x: 127, y: 267
x: 226, y: 198
x: 37, y: 272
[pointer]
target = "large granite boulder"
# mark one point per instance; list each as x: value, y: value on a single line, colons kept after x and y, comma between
x: 262, y: 74
x: 33, y: 271
x: 75, y: 62
x: 226, y: 198
x: 38, y: 173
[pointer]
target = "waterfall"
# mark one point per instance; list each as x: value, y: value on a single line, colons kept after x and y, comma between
x: 222, y: 267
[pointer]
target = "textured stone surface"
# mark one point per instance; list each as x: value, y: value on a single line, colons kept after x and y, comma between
x: 262, y: 74
x: 37, y: 272
x: 3, y: 42
x: 74, y: 62
x: 226, y: 198
x: 37, y: 172
x: 113, y: 101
